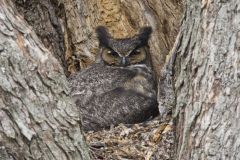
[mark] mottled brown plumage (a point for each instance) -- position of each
(120, 86)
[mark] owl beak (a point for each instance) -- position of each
(123, 62)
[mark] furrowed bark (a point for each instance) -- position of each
(38, 118)
(46, 17)
(207, 81)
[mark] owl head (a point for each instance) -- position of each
(125, 51)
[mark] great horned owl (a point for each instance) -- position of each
(119, 87)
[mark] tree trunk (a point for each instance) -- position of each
(47, 20)
(207, 82)
(38, 118)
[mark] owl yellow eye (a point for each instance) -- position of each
(135, 52)
(112, 53)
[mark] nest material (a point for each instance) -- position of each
(146, 141)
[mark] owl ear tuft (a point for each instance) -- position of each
(102, 35)
(144, 35)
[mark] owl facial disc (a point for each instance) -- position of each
(126, 51)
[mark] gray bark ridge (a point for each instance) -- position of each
(207, 84)
(38, 119)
